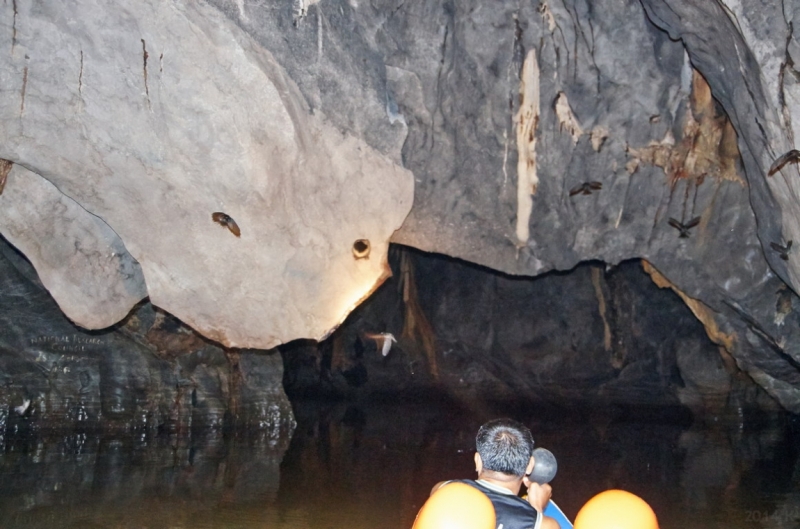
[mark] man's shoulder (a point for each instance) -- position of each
(497, 495)
(511, 511)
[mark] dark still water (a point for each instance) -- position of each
(371, 466)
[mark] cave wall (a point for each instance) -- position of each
(150, 374)
(535, 136)
(592, 336)
(622, 101)
(170, 125)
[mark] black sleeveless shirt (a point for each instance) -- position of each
(511, 511)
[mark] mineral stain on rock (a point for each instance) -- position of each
(308, 154)
(145, 56)
(527, 120)
(5, 168)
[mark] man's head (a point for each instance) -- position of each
(505, 446)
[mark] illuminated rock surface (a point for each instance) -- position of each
(153, 117)
(539, 136)
(80, 260)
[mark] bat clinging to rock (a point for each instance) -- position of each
(684, 228)
(225, 220)
(791, 156)
(782, 250)
(586, 188)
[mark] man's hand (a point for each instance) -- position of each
(549, 523)
(538, 495)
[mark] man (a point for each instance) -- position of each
(503, 461)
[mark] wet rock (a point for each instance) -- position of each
(592, 335)
(704, 374)
(539, 136)
(55, 375)
(261, 401)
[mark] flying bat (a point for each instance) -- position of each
(22, 408)
(383, 341)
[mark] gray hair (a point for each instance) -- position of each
(505, 445)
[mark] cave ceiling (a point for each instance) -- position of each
(246, 164)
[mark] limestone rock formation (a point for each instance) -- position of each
(151, 374)
(539, 135)
(603, 337)
(153, 117)
(661, 102)
(80, 260)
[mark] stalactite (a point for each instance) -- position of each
(616, 360)
(339, 355)
(416, 326)
(232, 390)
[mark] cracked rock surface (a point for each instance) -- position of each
(539, 135)
(80, 260)
(158, 119)
(149, 374)
(672, 107)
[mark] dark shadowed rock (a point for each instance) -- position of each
(540, 135)
(150, 374)
(588, 337)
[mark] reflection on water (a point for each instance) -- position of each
(371, 466)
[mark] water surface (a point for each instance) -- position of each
(372, 465)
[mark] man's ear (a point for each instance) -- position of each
(530, 466)
(478, 463)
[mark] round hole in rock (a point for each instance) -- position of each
(361, 249)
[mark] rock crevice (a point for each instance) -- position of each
(313, 125)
